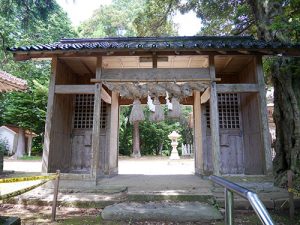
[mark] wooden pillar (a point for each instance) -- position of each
(214, 118)
(49, 117)
(265, 133)
(96, 145)
(113, 137)
(198, 150)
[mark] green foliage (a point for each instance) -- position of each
(24, 23)
(126, 18)
(3, 146)
(125, 132)
(153, 136)
(156, 18)
(112, 20)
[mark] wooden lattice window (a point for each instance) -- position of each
(103, 114)
(84, 111)
(229, 113)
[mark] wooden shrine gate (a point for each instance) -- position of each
(226, 89)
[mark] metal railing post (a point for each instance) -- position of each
(252, 197)
(228, 207)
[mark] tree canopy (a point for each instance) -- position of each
(125, 18)
(23, 23)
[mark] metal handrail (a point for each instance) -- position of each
(252, 197)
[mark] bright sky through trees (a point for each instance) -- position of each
(81, 10)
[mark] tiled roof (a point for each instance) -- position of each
(9, 82)
(159, 43)
(16, 130)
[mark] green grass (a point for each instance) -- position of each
(281, 218)
(90, 220)
(26, 157)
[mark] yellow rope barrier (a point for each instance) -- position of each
(22, 179)
(22, 191)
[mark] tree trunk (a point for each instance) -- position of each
(286, 81)
(136, 140)
(21, 144)
(29, 145)
(286, 118)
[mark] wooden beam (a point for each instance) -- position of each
(74, 89)
(237, 88)
(198, 148)
(154, 60)
(86, 67)
(21, 55)
(68, 67)
(265, 133)
(227, 63)
(205, 96)
(96, 144)
(214, 119)
(110, 53)
(244, 52)
(222, 52)
(82, 89)
(113, 145)
(49, 116)
(105, 96)
(155, 74)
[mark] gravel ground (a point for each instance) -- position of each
(146, 165)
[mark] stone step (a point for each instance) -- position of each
(162, 211)
(271, 196)
(104, 196)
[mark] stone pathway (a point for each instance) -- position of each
(162, 211)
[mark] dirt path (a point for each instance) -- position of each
(22, 165)
(127, 165)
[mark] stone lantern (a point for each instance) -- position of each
(174, 137)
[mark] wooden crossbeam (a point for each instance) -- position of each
(82, 89)
(74, 89)
(154, 74)
(105, 96)
(205, 96)
(234, 88)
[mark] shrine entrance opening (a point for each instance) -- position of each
(153, 147)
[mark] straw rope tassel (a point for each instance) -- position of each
(176, 108)
(159, 114)
(137, 113)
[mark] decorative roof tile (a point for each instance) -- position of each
(9, 82)
(187, 43)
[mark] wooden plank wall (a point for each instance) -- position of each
(253, 149)
(253, 153)
(60, 144)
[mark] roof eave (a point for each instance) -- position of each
(26, 55)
